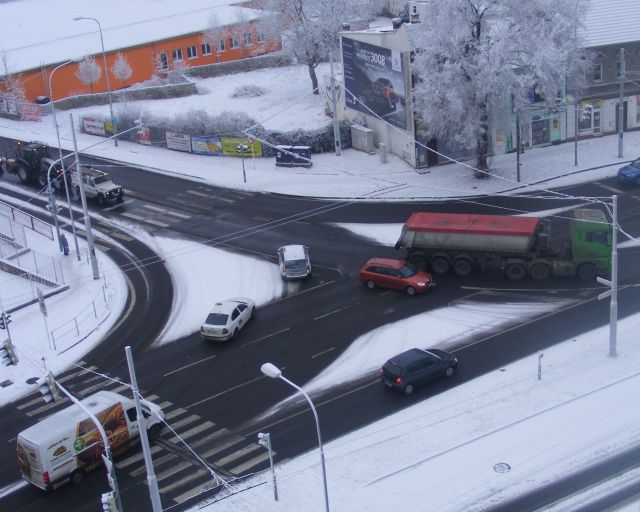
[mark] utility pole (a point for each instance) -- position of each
(518, 146)
(334, 101)
(87, 219)
(144, 439)
(621, 104)
(613, 284)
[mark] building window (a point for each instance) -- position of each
(164, 61)
(261, 37)
(220, 45)
(597, 73)
(192, 52)
(206, 49)
(234, 43)
(414, 9)
(248, 40)
(177, 55)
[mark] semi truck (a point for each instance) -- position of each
(67, 444)
(519, 245)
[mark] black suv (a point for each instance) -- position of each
(415, 367)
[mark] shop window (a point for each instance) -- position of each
(206, 49)
(220, 46)
(234, 44)
(192, 52)
(177, 55)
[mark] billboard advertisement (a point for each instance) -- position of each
(374, 81)
(93, 125)
(206, 146)
(178, 141)
(230, 146)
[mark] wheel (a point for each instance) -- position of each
(540, 271)
(370, 284)
(408, 389)
(24, 174)
(462, 267)
(587, 272)
(515, 272)
(120, 198)
(253, 310)
(410, 290)
(42, 180)
(440, 265)
(101, 200)
(419, 261)
(154, 431)
(450, 371)
(235, 333)
(76, 477)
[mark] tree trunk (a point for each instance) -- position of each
(482, 145)
(314, 78)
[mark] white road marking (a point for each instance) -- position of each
(188, 365)
(250, 463)
(265, 337)
(167, 211)
(609, 187)
(179, 483)
(237, 454)
(142, 219)
(234, 439)
(121, 236)
(322, 353)
(194, 491)
(225, 391)
(135, 458)
(191, 432)
(336, 311)
(196, 193)
(118, 205)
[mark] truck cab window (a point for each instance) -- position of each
(598, 237)
(131, 414)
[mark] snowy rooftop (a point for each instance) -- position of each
(612, 22)
(52, 36)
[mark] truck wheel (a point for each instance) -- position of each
(440, 266)
(154, 431)
(587, 272)
(462, 267)
(419, 261)
(24, 174)
(77, 477)
(540, 271)
(515, 272)
(42, 180)
(101, 200)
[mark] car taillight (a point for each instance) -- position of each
(398, 380)
(45, 479)
(225, 331)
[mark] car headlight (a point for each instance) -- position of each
(421, 284)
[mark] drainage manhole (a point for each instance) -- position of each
(502, 467)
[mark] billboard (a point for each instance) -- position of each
(93, 125)
(178, 141)
(206, 146)
(230, 146)
(374, 81)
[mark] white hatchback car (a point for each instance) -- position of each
(226, 318)
(294, 261)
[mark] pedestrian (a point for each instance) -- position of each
(65, 244)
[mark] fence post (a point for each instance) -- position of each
(95, 313)
(75, 321)
(104, 296)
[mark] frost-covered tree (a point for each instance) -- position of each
(310, 27)
(473, 55)
(9, 82)
(88, 71)
(121, 69)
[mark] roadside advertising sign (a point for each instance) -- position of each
(206, 146)
(144, 136)
(230, 144)
(93, 125)
(178, 141)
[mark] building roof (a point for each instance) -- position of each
(37, 32)
(611, 22)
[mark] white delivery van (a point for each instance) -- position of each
(65, 445)
(294, 261)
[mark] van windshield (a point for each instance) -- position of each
(216, 319)
(295, 263)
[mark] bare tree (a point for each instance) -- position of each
(10, 83)
(88, 71)
(121, 69)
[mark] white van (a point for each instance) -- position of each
(294, 261)
(65, 445)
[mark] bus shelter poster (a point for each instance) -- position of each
(374, 79)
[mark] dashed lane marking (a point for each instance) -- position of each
(196, 193)
(336, 311)
(188, 366)
(143, 219)
(226, 391)
(167, 211)
(323, 352)
(265, 337)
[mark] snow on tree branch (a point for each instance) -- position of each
(121, 69)
(88, 71)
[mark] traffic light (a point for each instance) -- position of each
(47, 386)
(7, 353)
(5, 320)
(108, 500)
(264, 440)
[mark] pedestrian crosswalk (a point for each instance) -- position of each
(192, 453)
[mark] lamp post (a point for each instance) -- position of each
(106, 74)
(242, 149)
(64, 171)
(271, 370)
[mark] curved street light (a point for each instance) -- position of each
(271, 370)
(106, 74)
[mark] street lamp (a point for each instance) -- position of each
(242, 149)
(64, 171)
(106, 74)
(271, 370)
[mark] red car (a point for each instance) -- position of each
(397, 274)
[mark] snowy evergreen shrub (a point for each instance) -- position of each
(249, 91)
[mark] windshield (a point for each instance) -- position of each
(295, 264)
(100, 179)
(636, 163)
(408, 270)
(216, 319)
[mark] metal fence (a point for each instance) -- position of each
(23, 218)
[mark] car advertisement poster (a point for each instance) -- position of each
(374, 81)
(237, 146)
(206, 146)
